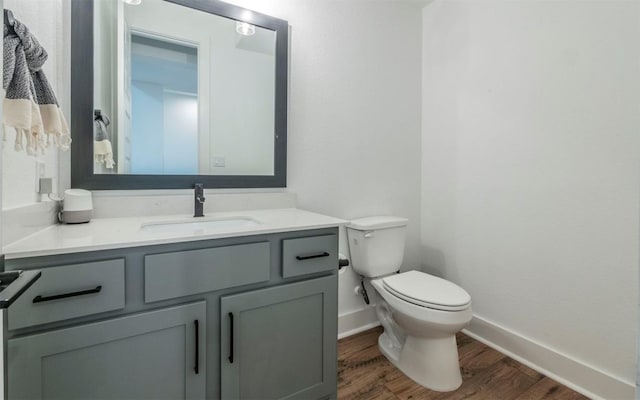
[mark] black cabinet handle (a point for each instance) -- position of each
(231, 338)
(40, 299)
(196, 367)
(310, 256)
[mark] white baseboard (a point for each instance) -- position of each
(577, 375)
(357, 321)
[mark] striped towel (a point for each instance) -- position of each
(102, 149)
(30, 106)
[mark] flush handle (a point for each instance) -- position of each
(368, 234)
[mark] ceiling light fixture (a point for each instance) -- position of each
(244, 28)
(133, 2)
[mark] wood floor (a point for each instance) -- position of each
(365, 374)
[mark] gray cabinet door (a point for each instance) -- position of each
(280, 342)
(152, 355)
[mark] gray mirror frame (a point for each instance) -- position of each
(82, 163)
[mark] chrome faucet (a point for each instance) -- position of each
(198, 200)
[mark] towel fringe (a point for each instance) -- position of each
(35, 143)
(18, 146)
(105, 159)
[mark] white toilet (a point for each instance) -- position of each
(420, 313)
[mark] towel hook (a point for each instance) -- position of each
(9, 20)
(99, 115)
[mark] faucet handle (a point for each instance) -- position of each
(199, 199)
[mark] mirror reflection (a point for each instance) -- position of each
(178, 91)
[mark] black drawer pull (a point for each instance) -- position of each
(40, 299)
(196, 367)
(311, 256)
(231, 337)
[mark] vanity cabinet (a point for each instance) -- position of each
(164, 309)
(152, 355)
(279, 342)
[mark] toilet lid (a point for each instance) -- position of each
(427, 291)
(371, 223)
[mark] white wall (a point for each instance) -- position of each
(235, 80)
(243, 101)
(104, 53)
(44, 19)
(530, 169)
(354, 114)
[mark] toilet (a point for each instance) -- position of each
(420, 313)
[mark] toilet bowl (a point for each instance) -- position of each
(420, 313)
(428, 352)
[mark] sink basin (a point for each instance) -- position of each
(198, 225)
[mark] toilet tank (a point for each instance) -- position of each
(376, 245)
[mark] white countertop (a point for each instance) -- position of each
(113, 233)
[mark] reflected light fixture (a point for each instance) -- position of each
(133, 2)
(245, 28)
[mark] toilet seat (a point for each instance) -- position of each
(427, 291)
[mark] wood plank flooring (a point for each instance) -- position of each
(365, 374)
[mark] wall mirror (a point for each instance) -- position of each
(167, 93)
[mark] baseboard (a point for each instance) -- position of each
(577, 375)
(357, 321)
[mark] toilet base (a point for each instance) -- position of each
(430, 362)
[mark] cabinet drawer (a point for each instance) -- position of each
(70, 291)
(309, 255)
(183, 273)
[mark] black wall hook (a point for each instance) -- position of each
(99, 115)
(9, 20)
